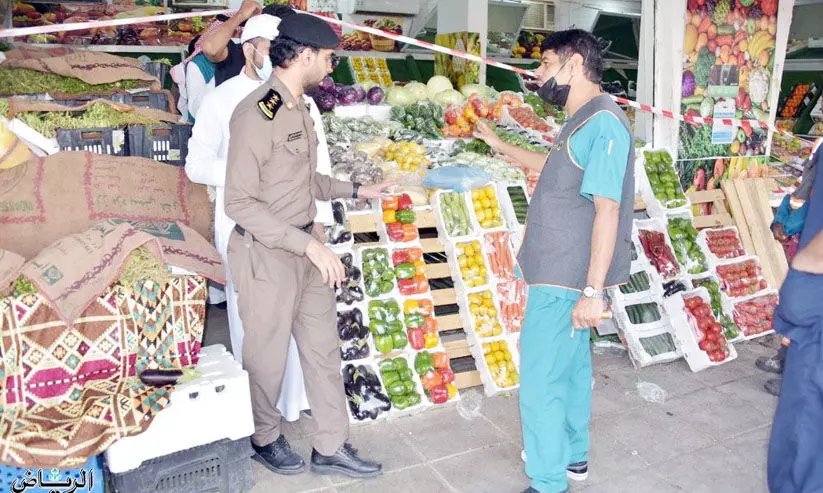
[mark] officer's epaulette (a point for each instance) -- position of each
(270, 103)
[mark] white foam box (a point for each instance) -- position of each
(442, 231)
(490, 386)
(505, 201)
(638, 354)
(686, 332)
(703, 241)
(211, 407)
(654, 207)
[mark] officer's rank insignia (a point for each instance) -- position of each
(270, 103)
(558, 145)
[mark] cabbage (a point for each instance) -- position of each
(438, 84)
(360, 94)
(376, 95)
(347, 96)
(469, 89)
(399, 96)
(325, 101)
(449, 96)
(327, 84)
(688, 84)
(418, 91)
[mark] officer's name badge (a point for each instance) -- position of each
(295, 136)
(270, 103)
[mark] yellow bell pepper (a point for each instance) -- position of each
(452, 391)
(411, 306)
(389, 216)
(420, 268)
(430, 340)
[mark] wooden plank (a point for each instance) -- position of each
(425, 218)
(449, 322)
(444, 297)
(457, 349)
(706, 196)
(639, 205)
(439, 271)
(432, 245)
(467, 379)
(754, 197)
(739, 216)
(713, 221)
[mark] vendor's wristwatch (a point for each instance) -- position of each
(590, 292)
(355, 190)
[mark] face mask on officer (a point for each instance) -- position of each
(554, 93)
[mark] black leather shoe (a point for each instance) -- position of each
(346, 462)
(279, 458)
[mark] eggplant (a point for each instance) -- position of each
(356, 294)
(344, 237)
(160, 378)
(357, 316)
(348, 374)
(338, 212)
(347, 259)
(384, 399)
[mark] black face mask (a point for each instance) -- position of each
(554, 93)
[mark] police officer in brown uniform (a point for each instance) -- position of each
(284, 274)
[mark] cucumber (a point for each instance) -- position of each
(691, 100)
(658, 344)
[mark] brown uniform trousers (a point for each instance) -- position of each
(271, 184)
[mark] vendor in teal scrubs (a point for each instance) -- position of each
(576, 244)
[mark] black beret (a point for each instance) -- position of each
(279, 11)
(308, 30)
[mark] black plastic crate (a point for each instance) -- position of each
(165, 143)
(158, 100)
(157, 69)
(223, 466)
(110, 141)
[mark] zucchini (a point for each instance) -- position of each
(658, 344)
(519, 203)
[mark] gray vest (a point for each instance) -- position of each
(558, 235)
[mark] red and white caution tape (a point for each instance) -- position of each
(748, 125)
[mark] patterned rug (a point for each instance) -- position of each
(67, 393)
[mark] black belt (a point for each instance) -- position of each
(307, 228)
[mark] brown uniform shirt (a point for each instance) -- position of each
(272, 179)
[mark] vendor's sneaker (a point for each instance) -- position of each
(279, 458)
(345, 461)
(770, 364)
(578, 471)
(774, 386)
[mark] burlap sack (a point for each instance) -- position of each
(23, 105)
(22, 52)
(45, 199)
(91, 67)
(76, 269)
(10, 265)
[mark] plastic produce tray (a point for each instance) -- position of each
(639, 355)
(489, 385)
(165, 143)
(223, 466)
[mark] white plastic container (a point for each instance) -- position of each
(745, 328)
(369, 339)
(624, 320)
(725, 301)
(424, 402)
(638, 354)
(703, 240)
(356, 264)
(654, 207)
(371, 365)
(220, 395)
(659, 226)
(688, 263)
(686, 332)
(490, 246)
(475, 219)
(727, 288)
(394, 293)
(442, 231)
(383, 234)
(504, 199)
(348, 245)
(654, 292)
(454, 265)
(490, 387)
(470, 325)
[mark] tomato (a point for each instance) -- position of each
(704, 324)
(703, 345)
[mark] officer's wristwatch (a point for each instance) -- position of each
(590, 292)
(355, 190)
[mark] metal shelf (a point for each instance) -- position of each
(800, 65)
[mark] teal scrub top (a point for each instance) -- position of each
(601, 146)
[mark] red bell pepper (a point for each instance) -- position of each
(431, 324)
(391, 203)
(407, 287)
(439, 394)
(431, 380)
(395, 231)
(404, 202)
(409, 232)
(399, 257)
(446, 374)
(440, 360)
(416, 339)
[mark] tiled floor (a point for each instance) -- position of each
(710, 435)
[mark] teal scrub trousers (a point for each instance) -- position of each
(555, 390)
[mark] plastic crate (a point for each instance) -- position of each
(157, 69)
(165, 143)
(223, 466)
(95, 481)
(158, 100)
(110, 141)
(219, 395)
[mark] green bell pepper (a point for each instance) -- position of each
(396, 389)
(415, 320)
(405, 216)
(400, 364)
(414, 399)
(384, 343)
(404, 271)
(405, 374)
(390, 377)
(400, 339)
(400, 402)
(410, 386)
(378, 327)
(386, 365)
(423, 362)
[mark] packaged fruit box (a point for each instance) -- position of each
(644, 283)
(742, 277)
(410, 271)
(639, 314)
(497, 245)
(467, 260)
(511, 295)
(396, 221)
(721, 306)
(353, 331)
(452, 214)
(657, 247)
(755, 314)
(514, 201)
(421, 324)
(365, 394)
(351, 290)
(482, 311)
(386, 323)
(496, 363)
(402, 385)
(659, 184)
(486, 207)
(651, 345)
(378, 272)
(699, 334)
(721, 243)
(683, 237)
(436, 376)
